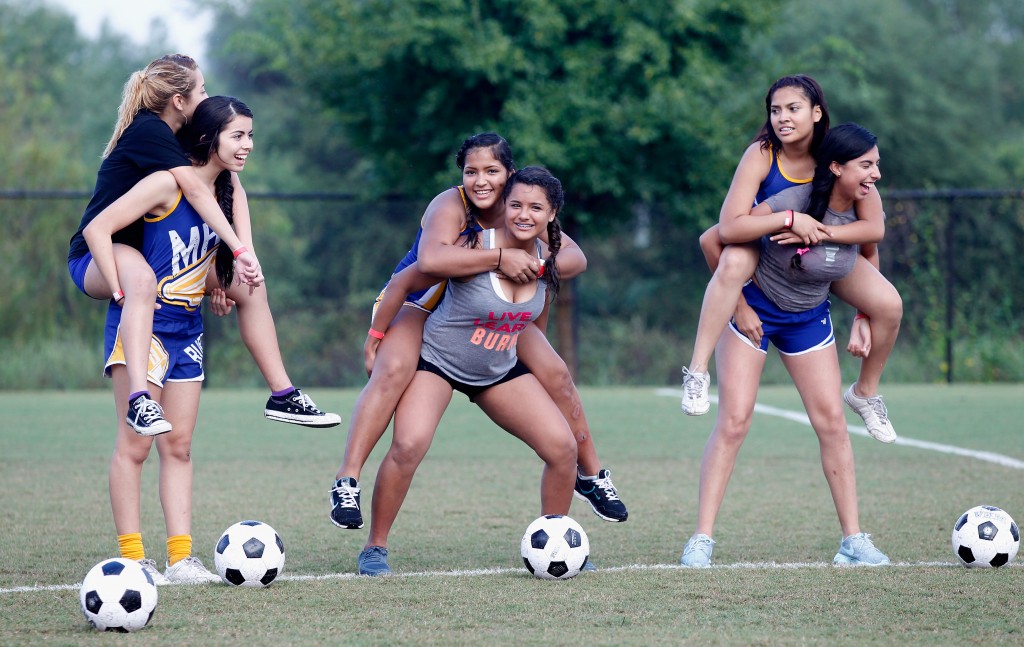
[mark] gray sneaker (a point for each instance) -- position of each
(696, 401)
(857, 550)
(697, 553)
(874, 413)
(374, 562)
(149, 566)
(190, 571)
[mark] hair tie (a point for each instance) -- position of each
(802, 251)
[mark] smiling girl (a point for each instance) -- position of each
(179, 249)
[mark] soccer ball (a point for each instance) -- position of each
(118, 595)
(985, 537)
(554, 547)
(249, 553)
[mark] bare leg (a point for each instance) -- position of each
(139, 285)
(181, 402)
(258, 332)
(130, 452)
(393, 370)
(416, 420)
(536, 353)
(866, 289)
(816, 376)
(739, 373)
(736, 265)
(539, 426)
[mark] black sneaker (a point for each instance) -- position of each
(345, 512)
(297, 408)
(599, 492)
(146, 417)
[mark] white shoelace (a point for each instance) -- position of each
(878, 407)
(346, 495)
(304, 402)
(609, 490)
(694, 383)
(149, 411)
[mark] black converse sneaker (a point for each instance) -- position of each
(146, 417)
(345, 512)
(297, 408)
(599, 492)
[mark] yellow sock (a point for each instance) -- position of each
(178, 548)
(131, 546)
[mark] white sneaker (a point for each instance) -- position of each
(149, 566)
(874, 413)
(190, 571)
(695, 393)
(697, 553)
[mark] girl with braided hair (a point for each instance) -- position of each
(179, 250)
(470, 345)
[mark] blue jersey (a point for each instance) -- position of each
(776, 180)
(180, 248)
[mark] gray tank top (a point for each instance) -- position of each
(795, 289)
(473, 333)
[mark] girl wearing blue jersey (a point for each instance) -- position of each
(470, 344)
(486, 164)
(158, 101)
(783, 155)
(789, 295)
(180, 250)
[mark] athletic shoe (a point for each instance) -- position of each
(874, 413)
(857, 550)
(695, 393)
(146, 416)
(600, 493)
(588, 567)
(149, 566)
(345, 512)
(697, 553)
(190, 571)
(374, 562)
(299, 409)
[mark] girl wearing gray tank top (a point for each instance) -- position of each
(469, 345)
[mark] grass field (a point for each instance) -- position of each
(455, 549)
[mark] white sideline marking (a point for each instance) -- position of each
(797, 416)
(482, 572)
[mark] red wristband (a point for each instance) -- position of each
(238, 252)
(118, 295)
(860, 316)
(376, 334)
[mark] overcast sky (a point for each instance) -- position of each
(186, 26)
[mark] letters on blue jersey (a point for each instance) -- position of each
(180, 248)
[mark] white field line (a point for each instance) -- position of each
(484, 572)
(795, 416)
(801, 417)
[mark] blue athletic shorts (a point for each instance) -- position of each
(426, 300)
(175, 352)
(793, 333)
(77, 268)
(472, 390)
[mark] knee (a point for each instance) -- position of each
(141, 283)
(176, 450)
(710, 242)
(736, 264)
(731, 430)
(887, 309)
(406, 455)
(563, 454)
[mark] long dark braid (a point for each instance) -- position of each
(551, 274)
(225, 262)
(199, 139)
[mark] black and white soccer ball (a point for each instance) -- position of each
(249, 553)
(555, 547)
(118, 595)
(985, 537)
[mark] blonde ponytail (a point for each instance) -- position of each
(152, 89)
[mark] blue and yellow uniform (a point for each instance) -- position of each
(776, 180)
(180, 248)
(427, 299)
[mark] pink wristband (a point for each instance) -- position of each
(860, 316)
(238, 252)
(118, 295)
(376, 334)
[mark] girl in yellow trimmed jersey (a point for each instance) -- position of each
(180, 248)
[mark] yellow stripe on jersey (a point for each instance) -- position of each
(151, 218)
(187, 287)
